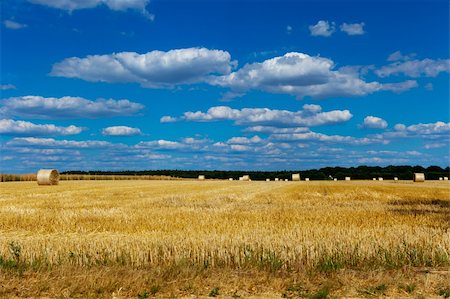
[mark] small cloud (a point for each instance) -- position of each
(373, 122)
(322, 28)
(121, 131)
(429, 86)
(353, 29)
(397, 55)
(289, 29)
(7, 86)
(168, 119)
(25, 128)
(434, 145)
(13, 25)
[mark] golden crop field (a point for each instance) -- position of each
(225, 238)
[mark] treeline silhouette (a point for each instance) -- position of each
(357, 173)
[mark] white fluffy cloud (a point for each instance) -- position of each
(429, 130)
(53, 143)
(353, 29)
(311, 115)
(25, 128)
(297, 74)
(397, 55)
(415, 68)
(10, 24)
(119, 5)
(320, 137)
(66, 107)
(121, 131)
(7, 87)
(153, 69)
(373, 122)
(322, 28)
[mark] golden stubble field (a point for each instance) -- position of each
(222, 238)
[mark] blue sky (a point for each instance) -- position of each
(257, 85)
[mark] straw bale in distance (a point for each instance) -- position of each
(396, 179)
(246, 177)
(419, 177)
(47, 177)
(380, 178)
(347, 178)
(446, 178)
(296, 176)
(306, 179)
(201, 177)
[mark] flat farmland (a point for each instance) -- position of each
(225, 238)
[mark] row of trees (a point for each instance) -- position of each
(360, 172)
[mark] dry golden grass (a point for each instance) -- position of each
(245, 238)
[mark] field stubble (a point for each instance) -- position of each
(185, 237)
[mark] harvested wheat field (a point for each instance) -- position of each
(225, 238)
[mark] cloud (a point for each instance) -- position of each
(168, 119)
(311, 115)
(415, 68)
(53, 143)
(319, 137)
(397, 55)
(155, 69)
(429, 130)
(7, 87)
(373, 122)
(289, 29)
(322, 28)
(297, 74)
(353, 29)
(121, 131)
(10, 24)
(66, 107)
(244, 140)
(400, 86)
(434, 145)
(118, 5)
(161, 144)
(25, 128)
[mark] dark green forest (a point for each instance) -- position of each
(356, 173)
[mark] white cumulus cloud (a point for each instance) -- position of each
(373, 122)
(311, 115)
(7, 87)
(53, 143)
(353, 29)
(10, 24)
(66, 107)
(415, 68)
(25, 128)
(297, 74)
(118, 5)
(121, 131)
(155, 69)
(322, 28)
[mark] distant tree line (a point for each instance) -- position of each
(357, 173)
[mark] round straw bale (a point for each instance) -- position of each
(201, 177)
(380, 178)
(396, 179)
(419, 177)
(47, 177)
(446, 178)
(246, 177)
(296, 176)
(306, 179)
(347, 178)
